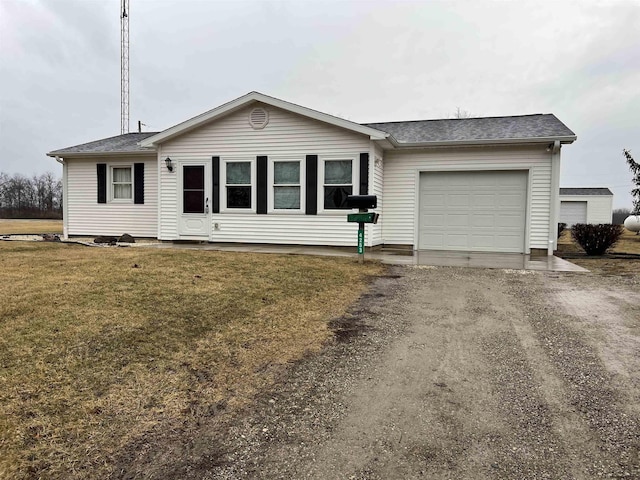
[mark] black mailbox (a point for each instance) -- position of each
(362, 201)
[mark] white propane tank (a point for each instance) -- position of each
(632, 222)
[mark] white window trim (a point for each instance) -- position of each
(223, 184)
(355, 179)
(111, 198)
(271, 196)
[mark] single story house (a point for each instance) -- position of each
(585, 205)
(262, 170)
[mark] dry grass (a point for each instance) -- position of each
(98, 346)
(17, 226)
(628, 243)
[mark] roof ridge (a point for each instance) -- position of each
(456, 119)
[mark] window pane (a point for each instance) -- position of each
(238, 197)
(286, 173)
(193, 201)
(286, 197)
(239, 173)
(122, 190)
(122, 175)
(336, 197)
(193, 177)
(337, 172)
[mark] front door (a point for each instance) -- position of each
(194, 179)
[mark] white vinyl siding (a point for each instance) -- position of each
(286, 136)
(402, 173)
(599, 208)
(87, 217)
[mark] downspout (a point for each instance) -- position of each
(65, 202)
(555, 197)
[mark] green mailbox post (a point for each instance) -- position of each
(363, 203)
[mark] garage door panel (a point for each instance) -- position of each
(484, 200)
(457, 220)
(475, 211)
(482, 241)
(505, 221)
(434, 199)
(508, 242)
(433, 219)
(483, 220)
(461, 200)
(457, 241)
(433, 241)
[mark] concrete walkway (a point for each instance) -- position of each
(514, 261)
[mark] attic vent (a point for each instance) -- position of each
(258, 118)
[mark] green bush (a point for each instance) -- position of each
(561, 228)
(596, 239)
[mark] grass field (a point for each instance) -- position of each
(99, 346)
(19, 226)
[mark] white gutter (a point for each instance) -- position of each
(555, 198)
(65, 197)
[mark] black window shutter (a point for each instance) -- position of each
(138, 186)
(102, 182)
(364, 174)
(215, 201)
(312, 185)
(261, 190)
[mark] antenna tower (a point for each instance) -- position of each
(124, 66)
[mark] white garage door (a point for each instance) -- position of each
(473, 211)
(573, 212)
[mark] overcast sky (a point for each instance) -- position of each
(366, 61)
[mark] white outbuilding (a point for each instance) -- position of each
(585, 205)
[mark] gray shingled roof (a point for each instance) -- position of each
(585, 191)
(419, 131)
(127, 143)
(470, 129)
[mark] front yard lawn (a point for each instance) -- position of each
(100, 345)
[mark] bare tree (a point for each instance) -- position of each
(37, 197)
(459, 113)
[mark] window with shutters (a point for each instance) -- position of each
(239, 178)
(338, 178)
(121, 183)
(286, 186)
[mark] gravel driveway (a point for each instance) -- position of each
(446, 373)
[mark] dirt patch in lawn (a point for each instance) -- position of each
(9, 226)
(101, 349)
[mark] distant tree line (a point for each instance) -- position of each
(619, 214)
(39, 196)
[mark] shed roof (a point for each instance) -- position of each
(585, 191)
(127, 143)
(473, 129)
